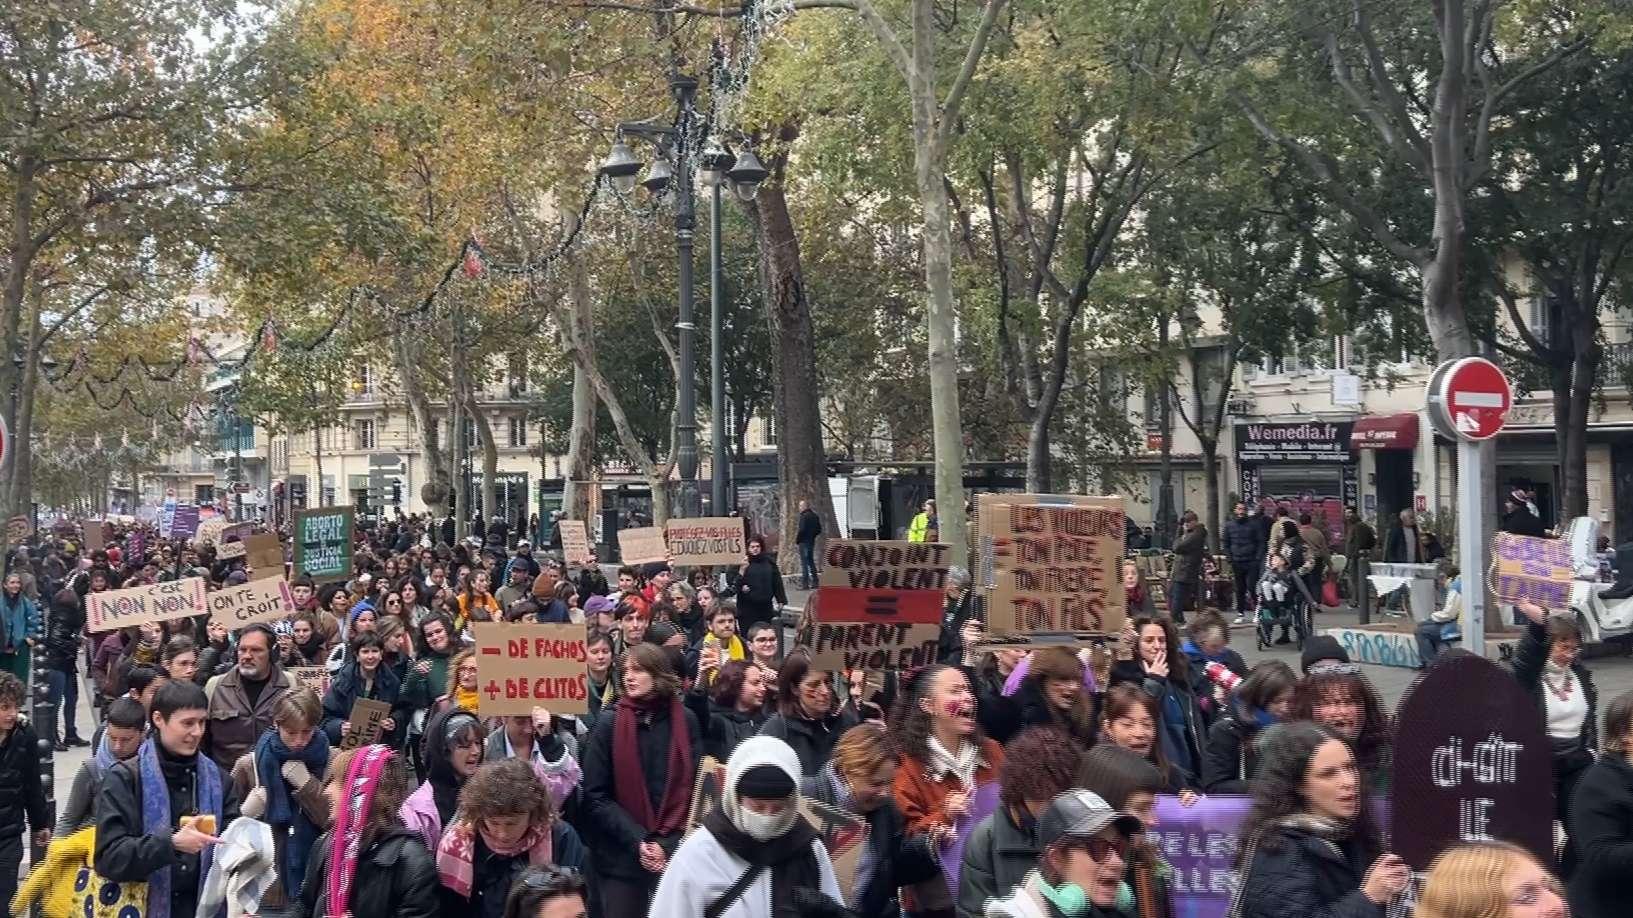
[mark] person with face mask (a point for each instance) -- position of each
(754, 856)
(1084, 843)
(507, 822)
(453, 751)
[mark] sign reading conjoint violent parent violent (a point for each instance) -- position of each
(878, 605)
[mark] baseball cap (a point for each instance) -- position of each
(1078, 813)
(598, 604)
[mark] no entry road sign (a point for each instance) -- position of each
(1469, 398)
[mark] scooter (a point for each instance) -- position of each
(1600, 618)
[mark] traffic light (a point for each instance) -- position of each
(396, 493)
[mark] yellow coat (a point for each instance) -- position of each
(51, 882)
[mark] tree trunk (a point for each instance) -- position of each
(580, 312)
(1210, 471)
(1037, 449)
(802, 461)
(490, 460)
(1573, 399)
(408, 372)
(22, 430)
(1165, 429)
(945, 419)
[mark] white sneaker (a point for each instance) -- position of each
(1240, 620)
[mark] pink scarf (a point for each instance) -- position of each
(457, 853)
(346, 841)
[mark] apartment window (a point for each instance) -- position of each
(516, 377)
(470, 434)
(363, 383)
(363, 434)
(518, 432)
(770, 429)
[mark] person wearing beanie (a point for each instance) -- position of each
(755, 857)
(1321, 647)
(1085, 844)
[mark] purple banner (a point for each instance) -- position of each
(137, 545)
(982, 805)
(1200, 842)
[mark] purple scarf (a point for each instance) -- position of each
(158, 820)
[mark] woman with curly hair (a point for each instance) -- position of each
(1490, 880)
(1040, 763)
(369, 865)
(1162, 670)
(1310, 848)
(506, 824)
(1338, 696)
(945, 763)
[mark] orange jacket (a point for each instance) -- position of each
(922, 799)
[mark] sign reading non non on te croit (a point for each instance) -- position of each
(523, 665)
(323, 542)
(264, 600)
(164, 601)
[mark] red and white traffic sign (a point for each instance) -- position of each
(1469, 398)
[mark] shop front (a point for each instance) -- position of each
(1308, 467)
(1390, 439)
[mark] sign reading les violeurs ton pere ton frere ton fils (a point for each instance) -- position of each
(1055, 563)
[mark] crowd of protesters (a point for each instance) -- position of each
(205, 738)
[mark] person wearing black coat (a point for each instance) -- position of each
(352, 683)
(1244, 542)
(760, 590)
(811, 734)
(1264, 698)
(958, 605)
(1183, 726)
(619, 841)
(63, 624)
(395, 875)
(733, 708)
(21, 792)
(1310, 848)
(1599, 860)
(1548, 665)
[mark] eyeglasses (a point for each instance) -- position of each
(1099, 846)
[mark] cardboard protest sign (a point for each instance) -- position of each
(1526, 567)
(209, 531)
(265, 555)
(323, 542)
(707, 790)
(520, 666)
(315, 678)
(885, 565)
(264, 600)
(18, 528)
(159, 602)
(878, 605)
(1056, 565)
(642, 545)
(706, 540)
(93, 536)
(137, 545)
(843, 833)
(230, 543)
(1471, 763)
(363, 725)
(575, 541)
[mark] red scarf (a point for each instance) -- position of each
(629, 778)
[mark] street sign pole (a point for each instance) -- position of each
(1471, 551)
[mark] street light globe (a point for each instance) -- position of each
(621, 167)
(658, 176)
(713, 163)
(747, 174)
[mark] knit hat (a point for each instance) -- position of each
(237, 578)
(1321, 647)
(356, 610)
(765, 782)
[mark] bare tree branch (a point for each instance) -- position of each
(966, 73)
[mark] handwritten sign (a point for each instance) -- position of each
(878, 605)
(264, 600)
(159, 602)
(323, 542)
(1526, 567)
(885, 565)
(1471, 763)
(1056, 566)
(575, 541)
(520, 666)
(707, 790)
(264, 554)
(231, 545)
(94, 535)
(209, 531)
(315, 678)
(642, 545)
(706, 540)
(18, 528)
(363, 725)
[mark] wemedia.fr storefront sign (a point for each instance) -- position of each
(1315, 441)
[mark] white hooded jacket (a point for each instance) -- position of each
(702, 870)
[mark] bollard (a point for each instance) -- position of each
(42, 712)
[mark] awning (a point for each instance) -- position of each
(1387, 431)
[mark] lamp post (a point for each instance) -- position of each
(621, 167)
